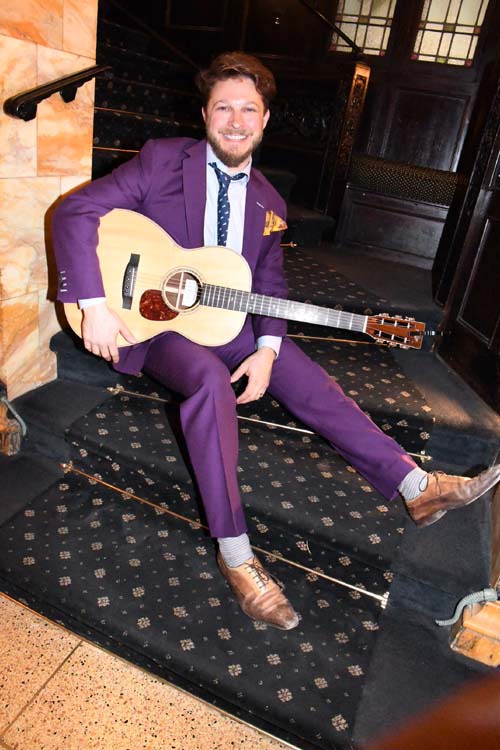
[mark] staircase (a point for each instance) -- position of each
(96, 547)
(146, 97)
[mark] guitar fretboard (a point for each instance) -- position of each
(274, 307)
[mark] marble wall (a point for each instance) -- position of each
(40, 40)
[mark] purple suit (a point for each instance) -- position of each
(167, 183)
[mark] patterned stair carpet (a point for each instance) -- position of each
(115, 549)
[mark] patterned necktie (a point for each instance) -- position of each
(223, 202)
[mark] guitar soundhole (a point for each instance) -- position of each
(152, 306)
(181, 290)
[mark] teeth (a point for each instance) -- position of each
(235, 137)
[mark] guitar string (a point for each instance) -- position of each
(217, 296)
(245, 301)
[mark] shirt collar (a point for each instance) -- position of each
(212, 157)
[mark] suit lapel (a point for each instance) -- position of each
(255, 218)
(194, 178)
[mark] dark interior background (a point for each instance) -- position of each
(398, 156)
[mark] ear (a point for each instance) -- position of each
(204, 113)
(266, 118)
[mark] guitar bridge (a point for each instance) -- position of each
(129, 279)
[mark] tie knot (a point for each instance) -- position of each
(224, 178)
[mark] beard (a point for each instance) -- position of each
(232, 159)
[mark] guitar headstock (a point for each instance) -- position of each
(396, 331)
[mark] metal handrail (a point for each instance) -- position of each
(24, 105)
(354, 47)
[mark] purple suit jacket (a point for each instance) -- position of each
(166, 182)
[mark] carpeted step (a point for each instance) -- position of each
(308, 228)
(49, 410)
(307, 483)
(116, 34)
(281, 179)
(128, 130)
(143, 97)
(148, 588)
(24, 476)
(466, 434)
(76, 365)
(140, 66)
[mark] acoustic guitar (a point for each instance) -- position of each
(155, 285)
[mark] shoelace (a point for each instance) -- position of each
(260, 576)
(436, 476)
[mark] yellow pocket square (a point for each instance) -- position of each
(274, 223)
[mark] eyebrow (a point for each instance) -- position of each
(227, 101)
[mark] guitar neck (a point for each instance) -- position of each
(274, 307)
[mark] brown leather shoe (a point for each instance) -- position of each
(445, 492)
(258, 595)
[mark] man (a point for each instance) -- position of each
(207, 193)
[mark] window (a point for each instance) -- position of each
(366, 22)
(449, 30)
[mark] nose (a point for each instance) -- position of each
(236, 119)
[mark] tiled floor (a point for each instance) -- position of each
(58, 692)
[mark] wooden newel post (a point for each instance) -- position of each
(477, 634)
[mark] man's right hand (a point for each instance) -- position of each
(100, 328)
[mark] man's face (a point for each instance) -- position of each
(235, 120)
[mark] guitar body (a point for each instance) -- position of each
(126, 234)
(154, 286)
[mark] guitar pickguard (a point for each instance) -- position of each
(152, 306)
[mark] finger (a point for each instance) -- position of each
(244, 399)
(114, 354)
(238, 373)
(248, 395)
(127, 334)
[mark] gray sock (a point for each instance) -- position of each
(235, 549)
(413, 484)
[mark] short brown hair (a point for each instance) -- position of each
(236, 65)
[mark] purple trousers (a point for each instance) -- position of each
(209, 420)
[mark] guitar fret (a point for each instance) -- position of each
(259, 304)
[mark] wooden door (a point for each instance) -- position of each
(471, 339)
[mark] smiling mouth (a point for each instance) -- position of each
(235, 136)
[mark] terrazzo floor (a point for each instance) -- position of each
(59, 692)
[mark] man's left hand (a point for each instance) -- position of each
(257, 367)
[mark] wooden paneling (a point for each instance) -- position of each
(404, 230)
(417, 118)
(480, 309)
(275, 29)
(436, 143)
(472, 324)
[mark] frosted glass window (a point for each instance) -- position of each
(448, 31)
(366, 22)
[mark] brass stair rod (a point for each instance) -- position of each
(119, 389)
(381, 598)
